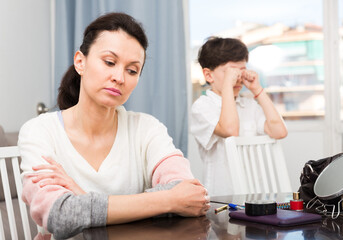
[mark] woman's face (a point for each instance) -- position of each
(111, 70)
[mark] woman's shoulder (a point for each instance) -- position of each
(40, 122)
(137, 118)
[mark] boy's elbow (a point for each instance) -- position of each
(235, 132)
(276, 129)
(231, 132)
(281, 134)
(227, 131)
(284, 134)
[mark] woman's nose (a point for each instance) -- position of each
(118, 75)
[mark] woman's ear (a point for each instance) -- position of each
(207, 74)
(79, 62)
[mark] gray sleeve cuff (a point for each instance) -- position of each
(70, 214)
(161, 187)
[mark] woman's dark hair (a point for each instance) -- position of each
(69, 90)
(217, 51)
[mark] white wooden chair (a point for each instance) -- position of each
(12, 154)
(257, 165)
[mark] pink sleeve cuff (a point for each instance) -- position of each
(40, 199)
(171, 168)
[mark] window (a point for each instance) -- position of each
(285, 45)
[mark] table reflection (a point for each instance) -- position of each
(216, 226)
(173, 228)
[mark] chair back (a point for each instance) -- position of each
(12, 154)
(257, 165)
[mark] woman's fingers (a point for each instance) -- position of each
(53, 174)
(207, 207)
(43, 175)
(45, 166)
(53, 165)
(50, 181)
(195, 182)
(52, 178)
(197, 198)
(49, 160)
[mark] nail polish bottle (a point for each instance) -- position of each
(297, 204)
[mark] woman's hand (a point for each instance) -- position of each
(190, 199)
(57, 176)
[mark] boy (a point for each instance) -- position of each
(222, 113)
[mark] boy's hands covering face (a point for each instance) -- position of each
(251, 81)
(231, 76)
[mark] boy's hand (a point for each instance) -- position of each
(251, 81)
(231, 76)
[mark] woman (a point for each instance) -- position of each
(93, 161)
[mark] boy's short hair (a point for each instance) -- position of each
(217, 51)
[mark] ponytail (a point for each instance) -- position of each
(69, 90)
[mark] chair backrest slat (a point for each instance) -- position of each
(239, 178)
(270, 168)
(8, 199)
(22, 206)
(2, 231)
(243, 155)
(254, 168)
(12, 154)
(260, 160)
(262, 168)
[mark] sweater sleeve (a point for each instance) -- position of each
(61, 212)
(171, 168)
(71, 214)
(40, 199)
(35, 140)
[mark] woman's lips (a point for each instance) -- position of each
(113, 91)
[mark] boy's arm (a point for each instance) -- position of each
(274, 125)
(228, 124)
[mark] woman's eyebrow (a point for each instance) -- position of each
(109, 51)
(114, 54)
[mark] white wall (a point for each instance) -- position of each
(298, 148)
(24, 60)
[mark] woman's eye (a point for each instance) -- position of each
(132, 72)
(109, 63)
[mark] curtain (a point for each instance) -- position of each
(162, 88)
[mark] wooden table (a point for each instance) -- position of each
(217, 226)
